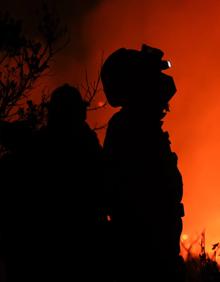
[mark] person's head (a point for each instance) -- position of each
(131, 76)
(66, 107)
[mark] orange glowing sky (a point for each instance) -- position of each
(189, 33)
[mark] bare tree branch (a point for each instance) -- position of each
(25, 60)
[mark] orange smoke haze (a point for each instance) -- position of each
(189, 34)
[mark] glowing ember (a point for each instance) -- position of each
(184, 237)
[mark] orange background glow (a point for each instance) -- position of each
(189, 33)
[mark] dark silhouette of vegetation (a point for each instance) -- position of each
(23, 60)
(201, 266)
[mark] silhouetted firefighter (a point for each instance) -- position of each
(144, 183)
(50, 222)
